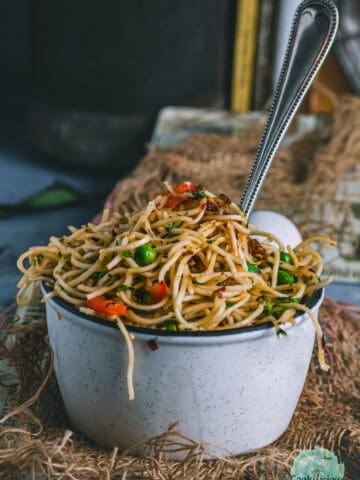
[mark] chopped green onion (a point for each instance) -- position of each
(287, 300)
(123, 288)
(229, 304)
(169, 227)
(269, 307)
(126, 253)
(277, 306)
(253, 268)
(98, 275)
(202, 195)
(143, 297)
(281, 308)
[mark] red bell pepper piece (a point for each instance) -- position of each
(158, 292)
(104, 305)
(173, 201)
(185, 187)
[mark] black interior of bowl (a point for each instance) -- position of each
(309, 302)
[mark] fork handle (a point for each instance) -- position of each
(312, 34)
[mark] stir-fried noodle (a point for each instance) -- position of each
(188, 261)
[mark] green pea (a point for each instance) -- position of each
(145, 254)
(285, 278)
(286, 257)
(252, 268)
(170, 325)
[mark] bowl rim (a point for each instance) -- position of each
(312, 303)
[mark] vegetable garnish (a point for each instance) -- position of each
(109, 307)
(201, 195)
(252, 267)
(185, 187)
(145, 255)
(142, 296)
(124, 288)
(158, 292)
(277, 306)
(229, 304)
(98, 276)
(171, 325)
(285, 278)
(174, 201)
(286, 257)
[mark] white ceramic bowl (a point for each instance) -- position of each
(237, 388)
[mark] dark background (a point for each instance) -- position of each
(81, 84)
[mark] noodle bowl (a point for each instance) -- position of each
(186, 266)
(236, 388)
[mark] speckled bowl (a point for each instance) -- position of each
(236, 388)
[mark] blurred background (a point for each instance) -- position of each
(82, 83)
(85, 82)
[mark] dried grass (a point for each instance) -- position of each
(36, 437)
(303, 179)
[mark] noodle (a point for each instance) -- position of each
(202, 268)
(131, 358)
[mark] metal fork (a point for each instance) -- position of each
(312, 34)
